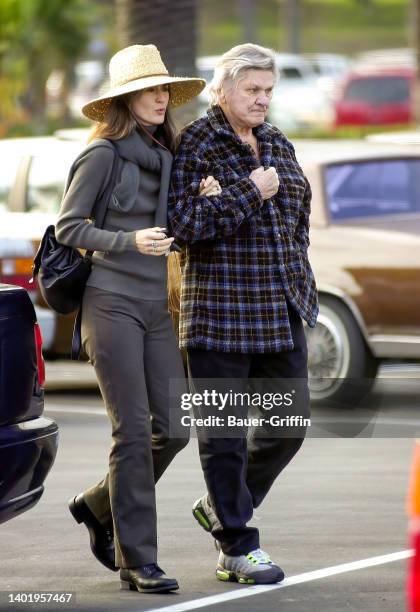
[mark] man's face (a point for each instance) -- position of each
(247, 101)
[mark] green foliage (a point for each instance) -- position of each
(342, 26)
(37, 36)
(352, 132)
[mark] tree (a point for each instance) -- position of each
(246, 11)
(293, 26)
(169, 25)
(35, 37)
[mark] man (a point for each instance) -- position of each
(246, 285)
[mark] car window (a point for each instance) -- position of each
(374, 188)
(47, 176)
(290, 72)
(8, 170)
(378, 90)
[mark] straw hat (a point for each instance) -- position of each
(138, 67)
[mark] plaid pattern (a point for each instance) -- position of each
(242, 256)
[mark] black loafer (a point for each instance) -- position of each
(147, 579)
(101, 537)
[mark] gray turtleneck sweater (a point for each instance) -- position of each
(139, 201)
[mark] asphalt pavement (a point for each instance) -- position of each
(339, 505)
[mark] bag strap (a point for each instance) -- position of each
(76, 339)
(101, 205)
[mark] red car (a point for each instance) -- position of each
(376, 96)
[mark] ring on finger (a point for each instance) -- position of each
(154, 244)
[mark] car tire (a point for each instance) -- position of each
(342, 369)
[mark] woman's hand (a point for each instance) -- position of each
(153, 241)
(209, 187)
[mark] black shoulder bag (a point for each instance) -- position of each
(62, 271)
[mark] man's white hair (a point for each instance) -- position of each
(231, 66)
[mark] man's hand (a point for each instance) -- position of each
(209, 187)
(267, 181)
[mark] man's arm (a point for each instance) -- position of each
(302, 228)
(194, 217)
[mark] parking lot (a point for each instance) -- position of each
(341, 501)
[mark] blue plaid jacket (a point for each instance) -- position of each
(242, 256)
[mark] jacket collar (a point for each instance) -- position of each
(220, 124)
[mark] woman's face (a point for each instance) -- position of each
(149, 105)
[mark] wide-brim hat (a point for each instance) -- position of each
(138, 67)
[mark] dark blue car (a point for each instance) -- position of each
(28, 440)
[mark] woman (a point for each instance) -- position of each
(126, 328)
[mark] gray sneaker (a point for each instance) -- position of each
(204, 513)
(254, 568)
(205, 516)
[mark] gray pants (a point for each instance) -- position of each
(133, 348)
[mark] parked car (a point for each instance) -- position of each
(406, 137)
(375, 95)
(17, 251)
(332, 65)
(330, 68)
(365, 252)
(301, 108)
(303, 96)
(294, 68)
(32, 177)
(28, 440)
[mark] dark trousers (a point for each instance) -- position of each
(133, 348)
(239, 472)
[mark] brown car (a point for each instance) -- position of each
(365, 252)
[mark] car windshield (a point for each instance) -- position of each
(374, 188)
(46, 181)
(378, 90)
(290, 72)
(8, 169)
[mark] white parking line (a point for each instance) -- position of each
(250, 591)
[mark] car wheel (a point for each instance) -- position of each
(341, 367)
